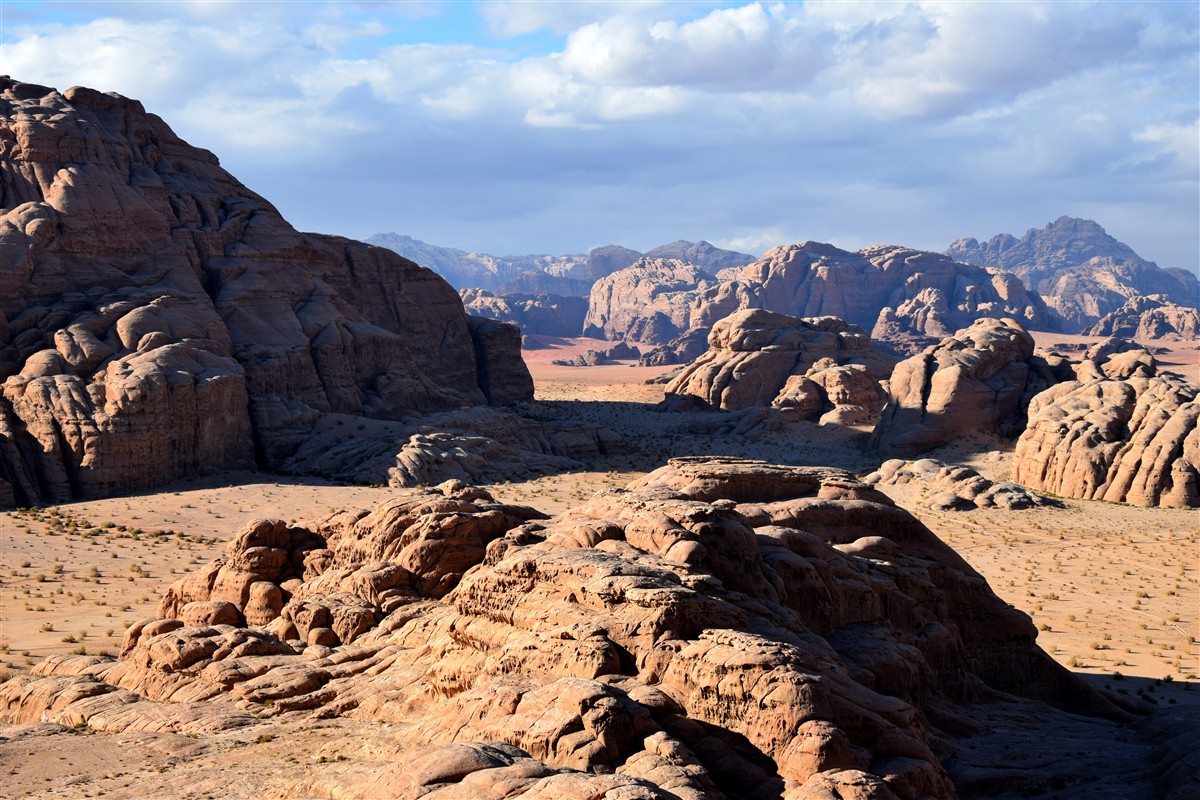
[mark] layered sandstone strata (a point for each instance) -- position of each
(159, 319)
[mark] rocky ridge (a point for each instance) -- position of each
(906, 298)
(1081, 271)
(722, 628)
(158, 319)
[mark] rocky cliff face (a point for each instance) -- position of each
(1119, 432)
(158, 319)
(906, 298)
(538, 313)
(721, 628)
(649, 301)
(820, 367)
(981, 379)
(1081, 271)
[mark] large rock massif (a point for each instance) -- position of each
(821, 367)
(980, 380)
(538, 313)
(158, 319)
(1118, 432)
(906, 298)
(1081, 271)
(720, 629)
(649, 301)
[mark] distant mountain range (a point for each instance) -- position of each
(571, 275)
(1082, 274)
(1081, 271)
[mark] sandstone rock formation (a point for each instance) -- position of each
(1151, 317)
(978, 381)
(951, 487)
(820, 367)
(1081, 271)
(1119, 432)
(907, 298)
(707, 257)
(683, 349)
(158, 319)
(540, 313)
(477, 445)
(722, 628)
(648, 301)
(592, 358)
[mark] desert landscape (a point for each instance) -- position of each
(305, 516)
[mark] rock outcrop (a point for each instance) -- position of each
(683, 349)
(593, 358)
(952, 487)
(159, 319)
(907, 298)
(1152, 317)
(477, 445)
(1081, 271)
(820, 367)
(539, 313)
(980, 380)
(648, 301)
(722, 628)
(1119, 432)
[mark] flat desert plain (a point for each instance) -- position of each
(1114, 589)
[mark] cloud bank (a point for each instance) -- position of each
(553, 127)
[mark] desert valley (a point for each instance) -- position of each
(289, 515)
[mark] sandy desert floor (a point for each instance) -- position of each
(1113, 589)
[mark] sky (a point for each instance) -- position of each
(545, 127)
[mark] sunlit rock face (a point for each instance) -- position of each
(159, 319)
(720, 628)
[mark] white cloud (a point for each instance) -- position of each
(846, 121)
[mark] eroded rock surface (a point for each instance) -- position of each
(1152, 317)
(981, 379)
(820, 367)
(1119, 432)
(648, 301)
(906, 298)
(953, 487)
(536, 313)
(158, 319)
(721, 628)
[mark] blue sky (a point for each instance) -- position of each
(518, 127)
